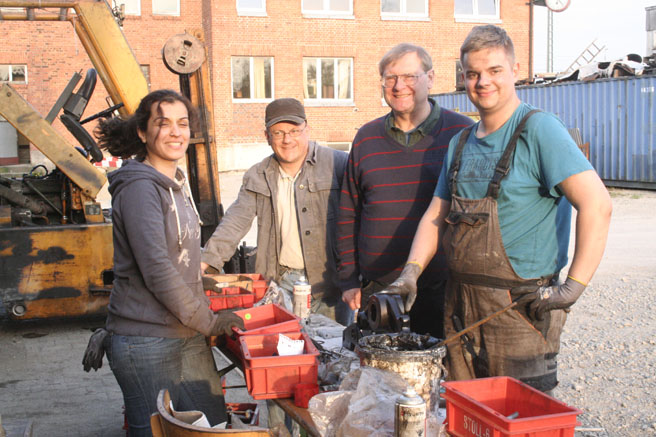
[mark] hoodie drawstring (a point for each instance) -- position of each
(191, 200)
(177, 219)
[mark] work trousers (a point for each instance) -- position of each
(184, 366)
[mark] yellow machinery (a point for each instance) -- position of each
(55, 241)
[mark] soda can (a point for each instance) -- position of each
(302, 297)
(410, 415)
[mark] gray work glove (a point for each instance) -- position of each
(209, 283)
(406, 285)
(224, 322)
(554, 297)
(95, 351)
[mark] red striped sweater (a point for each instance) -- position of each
(386, 190)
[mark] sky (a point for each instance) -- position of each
(619, 25)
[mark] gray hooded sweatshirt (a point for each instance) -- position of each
(157, 285)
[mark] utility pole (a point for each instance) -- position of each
(550, 41)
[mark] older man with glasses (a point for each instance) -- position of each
(393, 168)
(294, 193)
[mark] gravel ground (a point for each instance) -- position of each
(607, 361)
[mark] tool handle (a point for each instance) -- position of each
(476, 325)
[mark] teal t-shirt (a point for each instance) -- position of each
(534, 230)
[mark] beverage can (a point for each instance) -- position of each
(302, 297)
(410, 415)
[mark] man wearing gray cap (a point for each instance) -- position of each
(294, 193)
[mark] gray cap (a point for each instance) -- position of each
(286, 109)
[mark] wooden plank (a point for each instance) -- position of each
(299, 415)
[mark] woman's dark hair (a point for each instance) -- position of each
(120, 138)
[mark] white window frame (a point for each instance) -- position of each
(326, 12)
(475, 17)
(167, 14)
(136, 3)
(322, 101)
(252, 12)
(251, 78)
(11, 80)
(404, 14)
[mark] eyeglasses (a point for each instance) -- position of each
(408, 79)
(280, 134)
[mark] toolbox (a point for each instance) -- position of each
(230, 297)
(484, 407)
(269, 376)
(264, 319)
(253, 282)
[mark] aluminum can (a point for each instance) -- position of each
(302, 297)
(410, 415)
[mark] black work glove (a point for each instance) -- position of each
(406, 285)
(554, 297)
(209, 283)
(224, 323)
(95, 352)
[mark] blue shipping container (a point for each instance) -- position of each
(616, 116)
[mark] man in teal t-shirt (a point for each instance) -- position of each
(496, 213)
(545, 156)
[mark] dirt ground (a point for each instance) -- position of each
(607, 358)
(608, 354)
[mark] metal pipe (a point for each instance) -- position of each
(23, 201)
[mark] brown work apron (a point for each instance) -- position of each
(482, 281)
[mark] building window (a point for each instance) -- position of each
(13, 73)
(132, 7)
(251, 7)
(332, 8)
(404, 9)
(476, 10)
(252, 78)
(328, 79)
(339, 145)
(145, 69)
(166, 7)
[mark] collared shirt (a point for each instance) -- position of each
(291, 253)
(412, 137)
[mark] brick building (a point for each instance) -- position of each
(322, 52)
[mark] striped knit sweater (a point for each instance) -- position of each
(386, 190)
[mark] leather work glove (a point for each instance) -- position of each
(406, 285)
(95, 351)
(554, 297)
(209, 283)
(224, 323)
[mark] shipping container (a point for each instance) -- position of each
(616, 116)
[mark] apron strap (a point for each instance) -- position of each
(503, 166)
(489, 281)
(457, 155)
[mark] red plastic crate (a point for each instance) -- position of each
(269, 376)
(265, 319)
(230, 297)
(260, 284)
(480, 407)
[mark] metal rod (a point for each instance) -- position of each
(476, 325)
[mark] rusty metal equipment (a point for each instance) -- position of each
(56, 249)
(382, 313)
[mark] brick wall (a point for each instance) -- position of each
(53, 52)
(287, 36)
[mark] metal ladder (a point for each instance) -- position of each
(588, 54)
